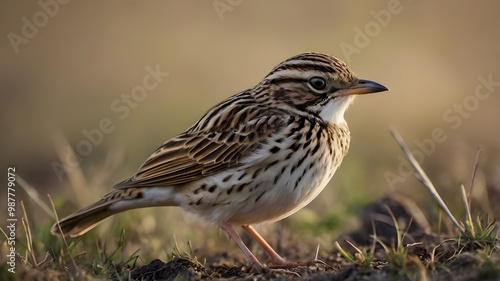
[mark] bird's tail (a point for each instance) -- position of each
(117, 201)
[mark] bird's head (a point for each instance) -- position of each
(318, 84)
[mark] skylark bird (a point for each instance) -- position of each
(258, 156)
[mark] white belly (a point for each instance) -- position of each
(266, 187)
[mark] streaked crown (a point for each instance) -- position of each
(301, 68)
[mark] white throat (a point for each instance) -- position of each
(334, 110)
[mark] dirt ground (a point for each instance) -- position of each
(424, 256)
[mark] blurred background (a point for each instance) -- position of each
(73, 94)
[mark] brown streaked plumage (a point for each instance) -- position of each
(258, 156)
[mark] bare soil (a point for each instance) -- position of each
(426, 255)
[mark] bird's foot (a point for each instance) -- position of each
(291, 265)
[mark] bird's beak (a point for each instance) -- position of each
(364, 87)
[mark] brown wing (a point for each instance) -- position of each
(194, 155)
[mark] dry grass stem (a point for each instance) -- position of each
(33, 194)
(467, 208)
(422, 177)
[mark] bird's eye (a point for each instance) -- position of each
(318, 83)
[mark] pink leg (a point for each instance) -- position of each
(254, 262)
(275, 258)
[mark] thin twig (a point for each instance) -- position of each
(317, 253)
(29, 237)
(422, 177)
(474, 170)
(33, 194)
(467, 209)
(63, 237)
